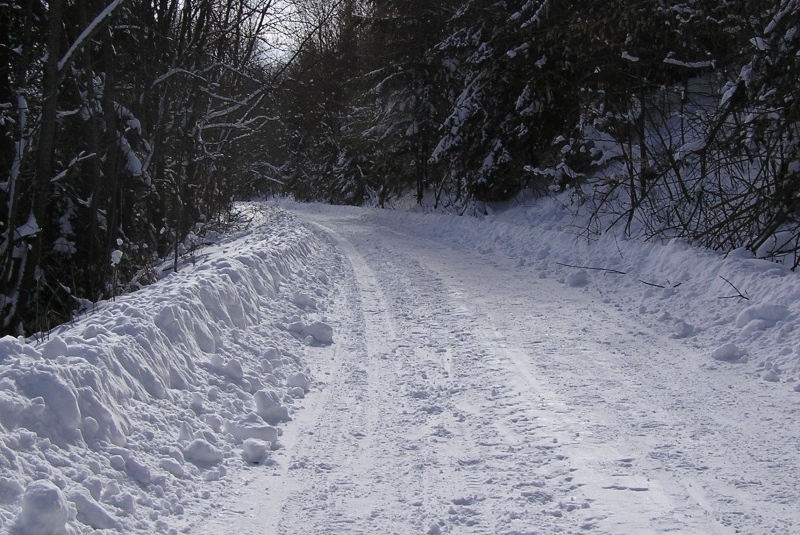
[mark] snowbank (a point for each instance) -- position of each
(123, 419)
(708, 298)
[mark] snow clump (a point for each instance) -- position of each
(251, 426)
(682, 330)
(299, 380)
(268, 406)
(44, 510)
(92, 513)
(255, 451)
(201, 452)
(579, 278)
(318, 330)
(760, 317)
(726, 353)
(303, 300)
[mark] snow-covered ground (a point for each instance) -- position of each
(346, 370)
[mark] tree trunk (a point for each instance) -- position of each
(44, 152)
(111, 170)
(6, 89)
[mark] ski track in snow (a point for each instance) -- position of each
(464, 394)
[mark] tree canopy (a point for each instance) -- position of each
(128, 127)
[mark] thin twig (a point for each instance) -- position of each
(593, 268)
(740, 295)
(659, 285)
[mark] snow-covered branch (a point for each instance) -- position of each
(176, 70)
(86, 35)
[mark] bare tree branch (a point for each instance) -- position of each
(607, 270)
(86, 35)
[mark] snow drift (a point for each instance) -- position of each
(120, 420)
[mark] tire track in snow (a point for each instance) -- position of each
(380, 482)
(466, 469)
(442, 488)
(581, 470)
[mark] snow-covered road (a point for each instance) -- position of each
(469, 393)
(332, 370)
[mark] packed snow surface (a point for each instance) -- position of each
(347, 370)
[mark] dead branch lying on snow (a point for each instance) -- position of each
(607, 270)
(738, 295)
